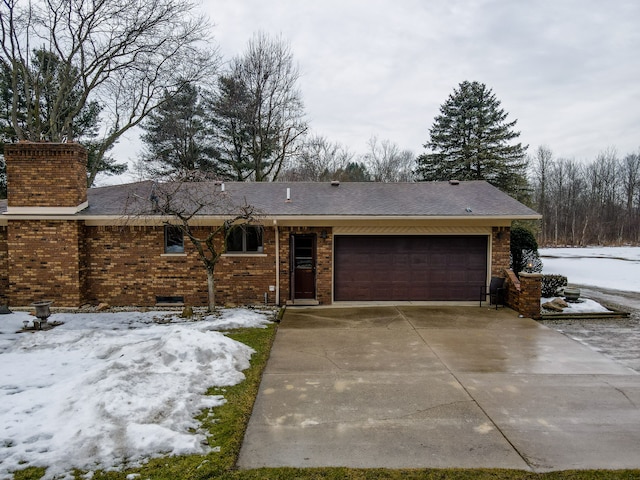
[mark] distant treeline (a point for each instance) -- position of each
(595, 203)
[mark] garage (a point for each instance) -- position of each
(409, 268)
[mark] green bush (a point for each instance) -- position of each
(551, 284)
(524, 248)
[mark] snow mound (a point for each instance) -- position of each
(107, 389)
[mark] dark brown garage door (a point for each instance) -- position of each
(401, 268)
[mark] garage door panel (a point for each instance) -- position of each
(397, 268)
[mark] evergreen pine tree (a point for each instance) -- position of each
(177, 139)
(471, 140)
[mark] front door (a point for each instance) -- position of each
(303, 263)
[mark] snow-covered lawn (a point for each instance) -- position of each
(608, 268)
(105, 389)
(615, 268)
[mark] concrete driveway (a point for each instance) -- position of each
(430, 387)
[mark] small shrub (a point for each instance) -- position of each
(551, 284)
(531, 262)
(522, 241)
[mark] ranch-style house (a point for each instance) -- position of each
(313, 243)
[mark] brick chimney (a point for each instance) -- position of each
(46, 178)
(46, 187)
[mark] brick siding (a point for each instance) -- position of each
(530, 292)
(500, 250)
(127, 266)
(523, 294)
(4, 266)
(244, 279)
(285, 262)
(46, 259)
(31, 168)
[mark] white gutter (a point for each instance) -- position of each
(207, 219)
(277, 230)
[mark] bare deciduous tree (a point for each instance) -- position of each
(259, 111)
(541, 165)
(123, 54)
(630, 180)
(319, 160)
(180, 202)
(596, 202)
(387, 162)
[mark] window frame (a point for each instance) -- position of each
(244, 228)
(175, 248)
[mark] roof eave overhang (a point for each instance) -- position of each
(285, 220)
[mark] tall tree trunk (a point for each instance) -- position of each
(584, 240)
(211, 290)
(555, 225)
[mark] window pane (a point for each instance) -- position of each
(234, 240)
(254, 238)
(173, 240)
(244, 238)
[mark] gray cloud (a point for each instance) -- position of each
(566, 70)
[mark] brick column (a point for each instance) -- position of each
(500, 250)
(530, 291)
(325, 266)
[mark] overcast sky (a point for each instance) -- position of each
(567, 70)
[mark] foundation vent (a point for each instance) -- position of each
(177, 300)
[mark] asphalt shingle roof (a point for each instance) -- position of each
(423, 199)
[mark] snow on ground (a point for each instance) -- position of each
(585, 305)
(614, 268)
(105, 389)
(601, 268)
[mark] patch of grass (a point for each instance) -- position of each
(231, 419)
(426, 474)
(31, 473)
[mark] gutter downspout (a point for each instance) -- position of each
(275, 224)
